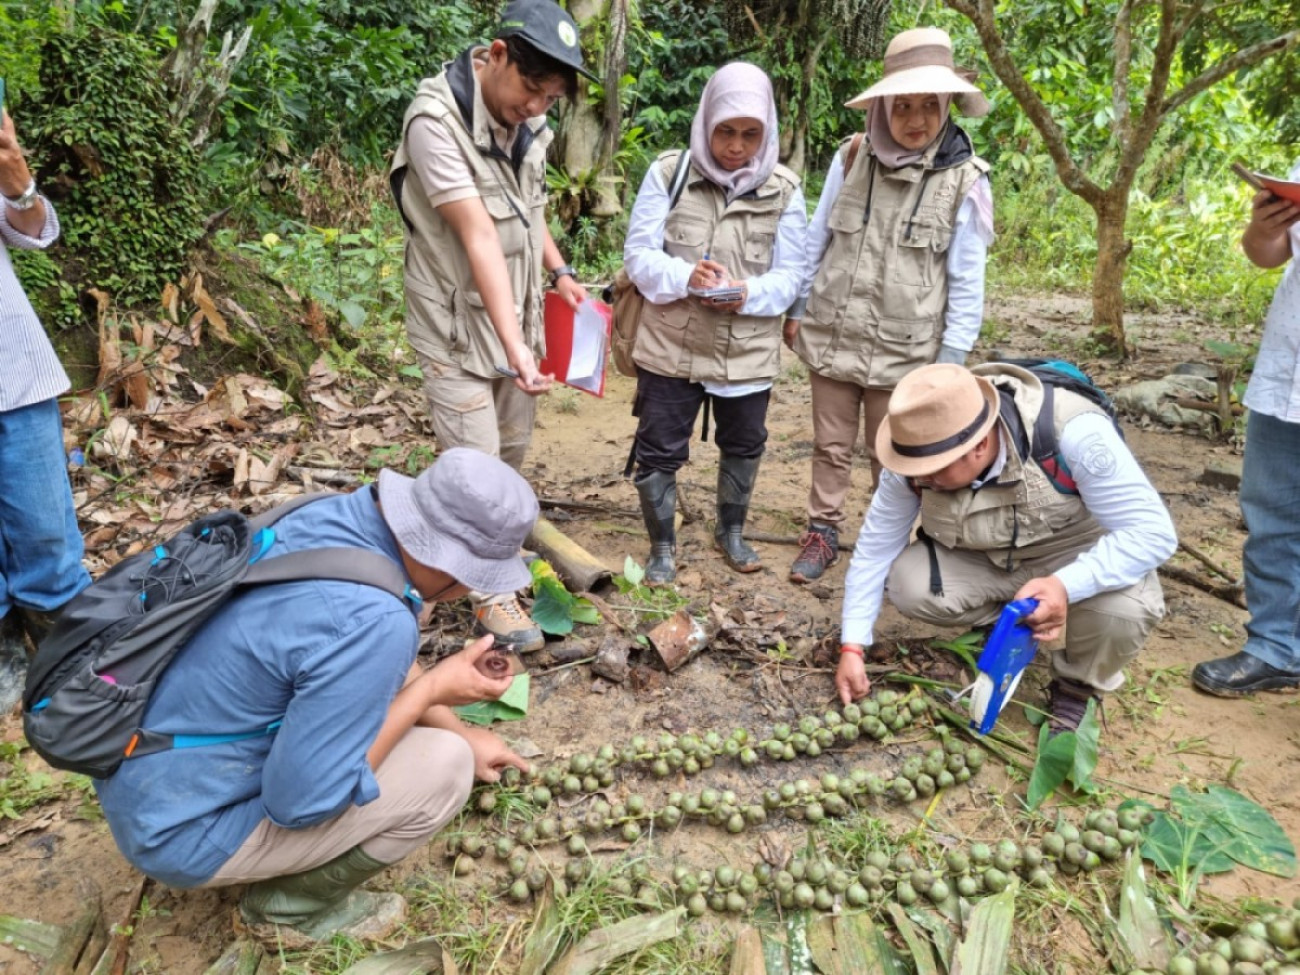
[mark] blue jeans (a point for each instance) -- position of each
(40, 544)
(1270, 503)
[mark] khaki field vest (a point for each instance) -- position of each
(876, 309)
(445, 317)
(686, 340)
(1020, 515)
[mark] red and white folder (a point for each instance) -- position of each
(577, 343)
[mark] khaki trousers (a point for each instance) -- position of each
(423, 783)
(837, 408)
(1103, 633)
(491, 415)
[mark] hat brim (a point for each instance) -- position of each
(924, 466)
(436, 550)
(925, 80)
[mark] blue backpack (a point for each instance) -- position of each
(1042, 444)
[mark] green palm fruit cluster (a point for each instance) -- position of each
(1269, 946)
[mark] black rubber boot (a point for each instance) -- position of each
(736, 477)
(658, 491)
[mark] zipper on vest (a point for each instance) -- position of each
(496, 153)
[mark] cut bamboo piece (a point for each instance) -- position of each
(579, 569)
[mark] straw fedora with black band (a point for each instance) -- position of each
(919, 62)
(937, 413)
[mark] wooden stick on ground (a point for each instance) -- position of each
(1229, 594)
(1209, 563)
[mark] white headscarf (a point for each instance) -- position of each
(736, 90)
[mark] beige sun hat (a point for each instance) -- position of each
(936, 414)
(919, 62)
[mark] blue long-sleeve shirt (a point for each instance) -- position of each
(325, 657)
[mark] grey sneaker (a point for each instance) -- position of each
(819, 549)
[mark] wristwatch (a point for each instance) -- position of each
(25, 201)
(562, 271)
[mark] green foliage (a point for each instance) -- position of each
(127, 184)
(1208, 832)
(555, 609)
(1068, 757)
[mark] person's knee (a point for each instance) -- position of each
(910, 588)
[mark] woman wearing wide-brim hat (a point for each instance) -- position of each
(896, 256)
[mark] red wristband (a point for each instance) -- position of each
(845, 648)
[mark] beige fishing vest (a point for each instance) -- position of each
(685, 339)
(876, 309)
(445, 317)
(1020, 515)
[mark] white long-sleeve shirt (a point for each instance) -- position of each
(967, 257)
(1274, 387)
(30, 371)
(1139, 531)
(662, 278)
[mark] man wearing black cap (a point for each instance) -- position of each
(470, 180)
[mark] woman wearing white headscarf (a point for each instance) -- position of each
(737, 221)
(895, 269)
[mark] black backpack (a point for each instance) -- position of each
(1042, 444)
(91, 678)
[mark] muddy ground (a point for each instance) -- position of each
(1158, 731)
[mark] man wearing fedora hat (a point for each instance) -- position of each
(895, 266)
(362, 759)
(995, 527)
(469, 178)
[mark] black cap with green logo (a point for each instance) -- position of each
(546, 26)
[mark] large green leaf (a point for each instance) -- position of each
(1085, 749)
(987, 944)
(1245, 830)
(1140, 928)
(1055, 762)
(552, 607)
(1177, 848)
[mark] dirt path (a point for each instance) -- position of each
(1158, 731)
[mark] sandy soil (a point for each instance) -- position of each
(1158, 732)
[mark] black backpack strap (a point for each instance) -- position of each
(339, 564)
(1010, 418)
(680, 175)
(1045, 444)
(936, 576)
(271, 515)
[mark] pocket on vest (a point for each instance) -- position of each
(758, 252)
(687, 239)
(916, 256)
(510, 227)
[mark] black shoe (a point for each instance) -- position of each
(1241, 674)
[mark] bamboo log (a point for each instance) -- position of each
(579, 569)
(241, 958)
(63, 961)
(34, 937)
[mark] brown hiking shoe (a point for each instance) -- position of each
(1067, 702)
(819, 549)
(510, 624)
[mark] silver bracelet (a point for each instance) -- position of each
(26, 200)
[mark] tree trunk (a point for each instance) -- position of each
(1108, 271)
(589, 132)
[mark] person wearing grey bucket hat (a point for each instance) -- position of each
(469, 178)
(359, 758)
(466, 516)
(895, 266)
